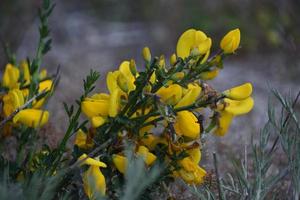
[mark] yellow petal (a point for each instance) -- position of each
(231, 41)
(32, 117)
(11, 76)
(43, 74)
(112, 81)
(204, 46)
(94, 182)
(186, 124)
(171, 94)
(240, 92)
(195, 155)
(239, 107)
(148, 157)
(99, 96)
(114, 103)
(97, 121)
(192, 39)
(91, 161)
(190, 97)
(120, 162)
(204, 59)
(12, 100)
(224, 123)
(127, 75)
(92, 108)
(25, 70)
(80, 139)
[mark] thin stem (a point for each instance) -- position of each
(218, 177)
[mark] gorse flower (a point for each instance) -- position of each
(238, 101)
(93, 179)
(193, 41)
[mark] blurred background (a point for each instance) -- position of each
(100, 34)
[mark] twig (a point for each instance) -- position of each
(218, 177)
(284, 124)
(11, 116)
(91, 154)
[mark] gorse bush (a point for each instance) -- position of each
(143, 134)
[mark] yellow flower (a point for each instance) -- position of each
(148, 157)
(209, 75)
(191, 172)
(186, 124)
(240, 92)
(236, 107)
(122, 79)
(93, 179)
(32, 117)
(171, 94)
(11, 76)
(120, 162)
(193, 40)
(190, 96)
(81, 140)
(224, 122)
(146, 54)
(12, 100)
(231, 41)
(25, 70)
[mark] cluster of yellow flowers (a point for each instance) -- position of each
(16, 82)
(168, 109)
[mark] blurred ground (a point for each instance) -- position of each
(84, 39)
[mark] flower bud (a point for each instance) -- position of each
(162, 62)
(173, 59)
(146, 54)
(231, 41)
(209, 75)
(133, 67)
